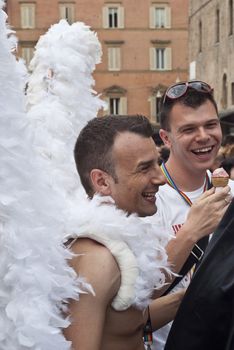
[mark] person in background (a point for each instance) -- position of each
(190, 128)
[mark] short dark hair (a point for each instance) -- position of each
(93, 149)
(192, 98)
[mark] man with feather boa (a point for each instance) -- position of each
(124, 258)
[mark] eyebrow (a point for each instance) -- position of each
(145, 163)
(195, 125)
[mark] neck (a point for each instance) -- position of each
(185, 178)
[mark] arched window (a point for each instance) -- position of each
(116, 99)
(217, 24)
(224, 89)
(230, 17)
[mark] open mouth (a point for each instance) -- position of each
(149, 196)
(202, 151)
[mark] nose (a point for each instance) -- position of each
(158, 178)
(202, 135)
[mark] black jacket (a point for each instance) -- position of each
(205, 319)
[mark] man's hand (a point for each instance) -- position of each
(203, 218)
(206, 212)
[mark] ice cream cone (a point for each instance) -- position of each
(219, 181)
(220, 178)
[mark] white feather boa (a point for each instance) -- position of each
(35, 277)
(138, 247)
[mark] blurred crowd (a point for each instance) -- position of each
(225, 157)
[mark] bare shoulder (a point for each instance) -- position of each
(95, 262)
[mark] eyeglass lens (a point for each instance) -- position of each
(200, 86)
(177, 91)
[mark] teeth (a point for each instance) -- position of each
(149, 195)
(203, 150)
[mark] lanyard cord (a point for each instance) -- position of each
(148, 332)
(173, 185)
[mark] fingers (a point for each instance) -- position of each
(222, 191)
(208, 210)
(207, 193)
(213, 195)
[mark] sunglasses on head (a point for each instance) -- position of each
(178, 90)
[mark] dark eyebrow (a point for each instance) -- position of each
(146, 163)
(213, 120)
(194, 125)
(186, 126)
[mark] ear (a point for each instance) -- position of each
(165, 137)
(100, 181)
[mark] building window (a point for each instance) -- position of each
(224, 92)
(217, 24)
(27, 54)
(200, 37)
(27, 14)
(160, 58)
(117, 105)
(157, 106)
(67, 11)
(230, 17)
(114, 105)
(160, 16)
(114, 59)
(116, 100)
(155, 102)
(232, 93)
(113, 16)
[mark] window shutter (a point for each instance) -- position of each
(152, 17)
(27, 54)
(118, 58)
(152, 54)
(105, 17)
(152, 107)
(23, 16)
(32, 10)
(62, 12)
(27, 14)
(71, 14)
(123, 105)
(110, 58)
(107, 100)
(121, 17)
(114, 59)
(168, 59)
(168, 17)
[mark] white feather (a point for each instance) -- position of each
(35, 277)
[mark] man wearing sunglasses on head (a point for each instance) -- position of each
(190, 128)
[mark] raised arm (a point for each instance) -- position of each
(203, 218)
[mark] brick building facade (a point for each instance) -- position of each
(144, 42)
(211, 51)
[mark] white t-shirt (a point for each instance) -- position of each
(172, 213)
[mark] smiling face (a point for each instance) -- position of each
(194, 137)
(138, 174)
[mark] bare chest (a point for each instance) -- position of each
(123, 330)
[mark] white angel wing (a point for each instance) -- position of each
(35, 277)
